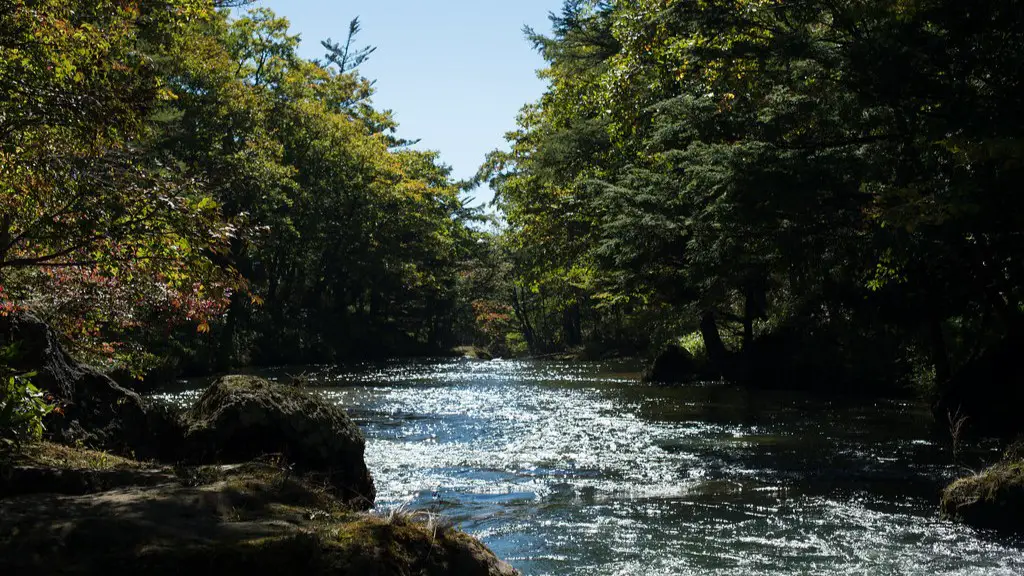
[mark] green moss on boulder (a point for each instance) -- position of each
(250, 520)
(993, 499)
(243, 417)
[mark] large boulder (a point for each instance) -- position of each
(95, 410)
(240, 418)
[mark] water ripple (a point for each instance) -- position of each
(577, 469)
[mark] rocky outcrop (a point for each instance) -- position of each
(243, 417)
(48, 468)
(95, 410)
(247, 521)
(993, 499)
(237, 419)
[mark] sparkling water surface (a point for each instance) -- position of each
(578, 469)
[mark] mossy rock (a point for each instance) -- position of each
(398, 546)
(243, 417)
(993, 499)
(246, 520)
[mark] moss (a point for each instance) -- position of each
(362, 547)
(45, 467)
(248, 519)
(401, 545)
(60, 457)
(992, 499)
(172, 531)
(261, 483)
(1015, 451)
(293, 554)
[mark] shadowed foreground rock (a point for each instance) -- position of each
(993, 499)
(250, 520)
(68, 510)
(243, 417)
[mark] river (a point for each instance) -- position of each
(578, 469)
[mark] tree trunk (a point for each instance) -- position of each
(717, 353)
(571, 325)
(519, 306)
(5, 242)
(226, 354)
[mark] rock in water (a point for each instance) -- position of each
(243, 417)
(993, 499)
(674, 365)
(96, 410)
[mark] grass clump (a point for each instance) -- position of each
(992, 499)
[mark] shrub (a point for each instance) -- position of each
(516, 344)
(22, 406)
(694, 344)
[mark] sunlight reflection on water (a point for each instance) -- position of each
(577, 469)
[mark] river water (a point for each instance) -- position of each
(578, 469)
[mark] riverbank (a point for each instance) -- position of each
(566, 468)
(254, 477)
(76, 510)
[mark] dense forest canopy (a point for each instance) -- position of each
(811, 193)
(807, 191)
(177, 183)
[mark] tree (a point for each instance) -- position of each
(347, 58)
(95, 225)
(347, 241)
(821, 189)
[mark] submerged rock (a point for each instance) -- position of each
(247, 520)
(993, 499)
(243, 417)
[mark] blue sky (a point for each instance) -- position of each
(455, 72)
